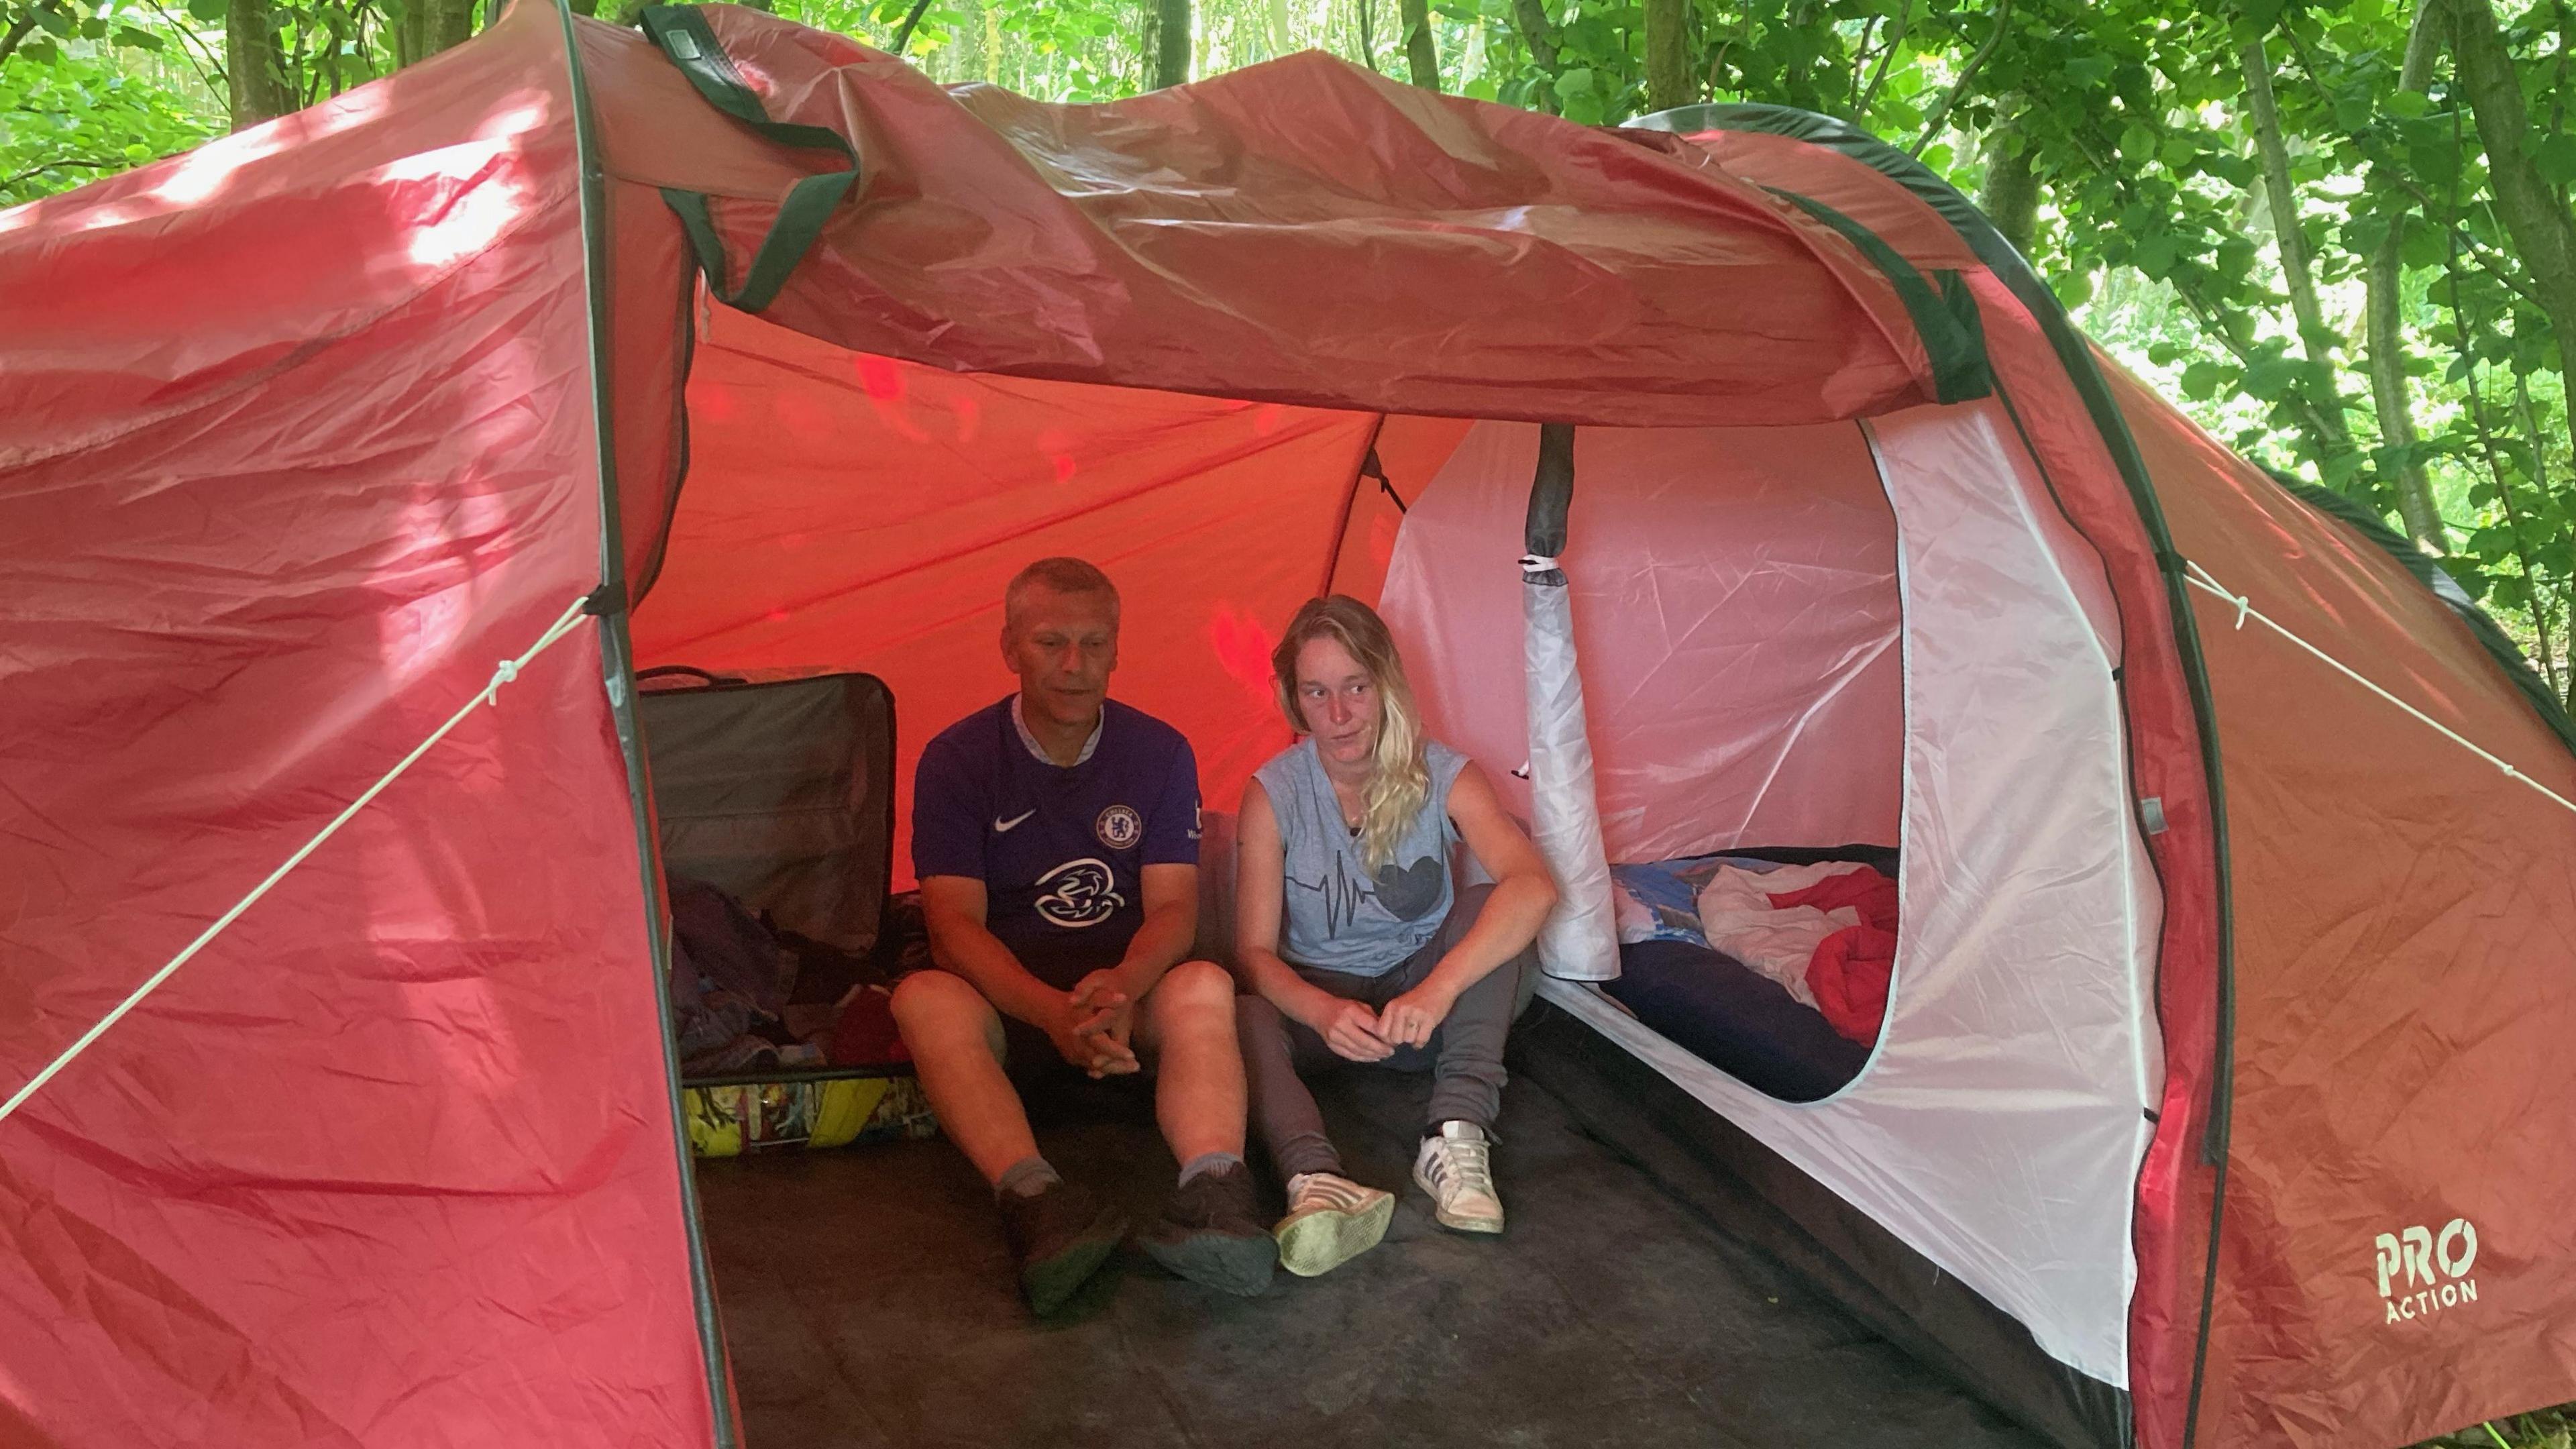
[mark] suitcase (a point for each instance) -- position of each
(778, 789)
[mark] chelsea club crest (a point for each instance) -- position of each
(1118, 827)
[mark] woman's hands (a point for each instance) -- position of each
(1356, 1033)
(1351, 1030)
(1410, 1019)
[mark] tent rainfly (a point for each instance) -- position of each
(2217, 1099)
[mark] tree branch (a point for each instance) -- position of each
(903, 32)
(2421, 43)
(18, 29)
(1878, 79)
(1940, 116)
(212, 71)
(85, 162)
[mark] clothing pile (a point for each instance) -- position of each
(733, 977)
(1826, 932)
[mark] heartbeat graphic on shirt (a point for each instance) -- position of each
(1342, 896)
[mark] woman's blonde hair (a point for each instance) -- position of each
(1400, 781)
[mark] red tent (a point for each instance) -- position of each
(303, 431)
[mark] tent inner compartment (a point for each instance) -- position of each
(1737, 608)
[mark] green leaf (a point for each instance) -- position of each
(127, 35)
(2233, 169)
(1575, 82)
(209, 11)
(2272, 378)
(2338, 470)
(2202, 380)
(2426, 244)
(2157, 254)
(2556, 158)
(2088, 70)
(41, 49)
(2407, 105)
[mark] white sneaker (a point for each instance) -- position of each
(1330, 1221)
(1457, 1169)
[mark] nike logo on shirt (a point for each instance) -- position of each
(1004, 827)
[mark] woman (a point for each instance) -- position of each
(1345, 842)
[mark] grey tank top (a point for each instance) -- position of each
(1336, 916)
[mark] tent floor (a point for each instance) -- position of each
(868, 1300)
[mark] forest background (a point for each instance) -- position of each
(2338, 231)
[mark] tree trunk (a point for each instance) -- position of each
(2385, 330)
(2010, 197)
(2315, 338)
(1167, 42)
(1280, 41)
(1531, 16)
(254, 65)
(1668, 62)
(1421, 53)
(2543, 231)
(430, 26)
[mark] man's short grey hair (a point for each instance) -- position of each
(1061, 575)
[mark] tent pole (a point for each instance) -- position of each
(616, 653)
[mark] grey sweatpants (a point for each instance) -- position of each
(1465, 1057)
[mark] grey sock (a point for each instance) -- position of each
(1027, 1177)
(1208, 1162)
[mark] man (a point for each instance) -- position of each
(1055, 834)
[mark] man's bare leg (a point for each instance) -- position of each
(1209, 1232)
(1187, 1021)
(1060, 1233)
(955, 1038)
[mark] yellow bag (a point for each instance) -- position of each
(727, 1121)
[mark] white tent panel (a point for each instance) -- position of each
(1735, 610)
(1999, 1126)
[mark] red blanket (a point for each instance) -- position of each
(1850, 970)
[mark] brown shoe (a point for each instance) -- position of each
(1210, 1233)
(1061, 1236)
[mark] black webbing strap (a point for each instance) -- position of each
(1370, 467)
(683, 35)
(1551, 494)
(1953, 336)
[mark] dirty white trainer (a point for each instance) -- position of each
(1456, 1168)
(1330, 1221)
